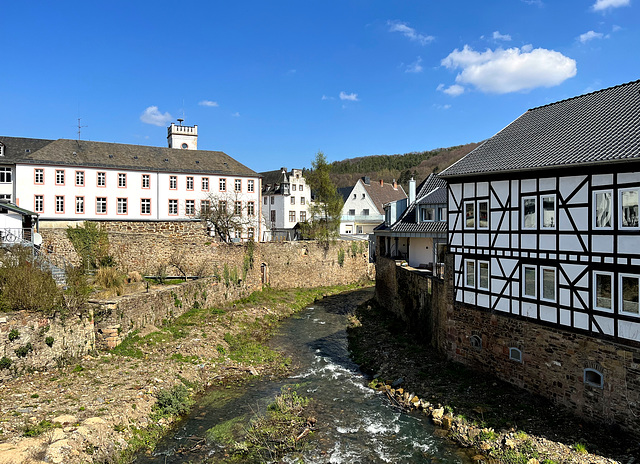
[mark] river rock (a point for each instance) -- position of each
(437, 413)
(397, 382)
(447, 421)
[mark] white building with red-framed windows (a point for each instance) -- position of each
(77, 180)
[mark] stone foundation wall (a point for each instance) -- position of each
(553, 363)
(553, 360)
(416, 297)
(70, 339)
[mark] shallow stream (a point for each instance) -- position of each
(354, 423)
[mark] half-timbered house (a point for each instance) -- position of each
(543, 218)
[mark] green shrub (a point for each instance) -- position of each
(5, 363)
(49, 341)
(38, 429)
(341, 257)
(91, 242)
(173, 402)
(14, 335)
(24, 350)
(25, 285)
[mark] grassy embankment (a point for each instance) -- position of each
(240, 353)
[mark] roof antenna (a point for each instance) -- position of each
(180, 120)
(79, 128)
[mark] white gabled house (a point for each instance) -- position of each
(543, 217)
(77, 180)
(363, 208)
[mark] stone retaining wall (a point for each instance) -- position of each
(146, 246)
(553, 360)
(70, 338)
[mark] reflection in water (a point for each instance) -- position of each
(354, 423)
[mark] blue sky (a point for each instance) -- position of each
(273, 82)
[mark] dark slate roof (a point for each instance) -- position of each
(345, 192)
(599, 127)
(383, 194)
(433, 190)
(13, 207)
(16, 148)
(135, 157)
(273, 180)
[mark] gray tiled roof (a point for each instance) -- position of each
(599, 127)
(122, 156)
(273, 180)
(433, 190)
(16, 148)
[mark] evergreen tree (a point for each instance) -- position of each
(326, 208)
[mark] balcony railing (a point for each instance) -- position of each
(16, 235)
(373, 218)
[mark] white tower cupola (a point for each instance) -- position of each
(182, 137)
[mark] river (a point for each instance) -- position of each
(354, 423)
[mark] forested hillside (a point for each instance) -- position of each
(400, 167)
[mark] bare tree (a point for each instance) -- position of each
(227, 215)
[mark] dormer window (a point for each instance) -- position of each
(1, 149)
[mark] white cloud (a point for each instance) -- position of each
(152, 116)
(498, 36)
(409, 32)
(510, 70)
(442, 107)
(534, 2)
(453, 90)
(414, 67)
(236, 114)
(587, 36)
(324, 97)
(601, 5)
(208, 103)
(349, 96)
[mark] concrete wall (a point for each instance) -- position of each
(553, 360)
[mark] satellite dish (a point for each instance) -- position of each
(37, 239)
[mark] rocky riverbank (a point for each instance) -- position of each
(495, 421)
(104, 408)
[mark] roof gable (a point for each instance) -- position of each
(381, 193)
(599, 127)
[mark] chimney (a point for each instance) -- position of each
(381, 183)
(412, 190)
(395, 185)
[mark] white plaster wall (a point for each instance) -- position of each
(420, 251)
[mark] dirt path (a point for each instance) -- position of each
(509, 422)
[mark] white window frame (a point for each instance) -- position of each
(173, 182)
(190, 207)
(478, 226)
(38, 176)
(587, 378)
(472, 204)
(555, 211)
(122, 180)
(79, 178)
(190, 183)
(524, 281)
(251, 186)
(535, 215)
(205, 184)
(595, 209)
(620, 209)
(145, 206)
(237, 185)
(515, 354)
(621, 293)
(60, 177)
(59, 204)
(79, 205)
(469, 273)
(544, 269)
(595, 290)
(480, 264)
(173, 207)
(101, 201)
(146, 181)
(101, 179)
(122, 206)
(38, 204)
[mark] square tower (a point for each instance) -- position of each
(182, 137)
